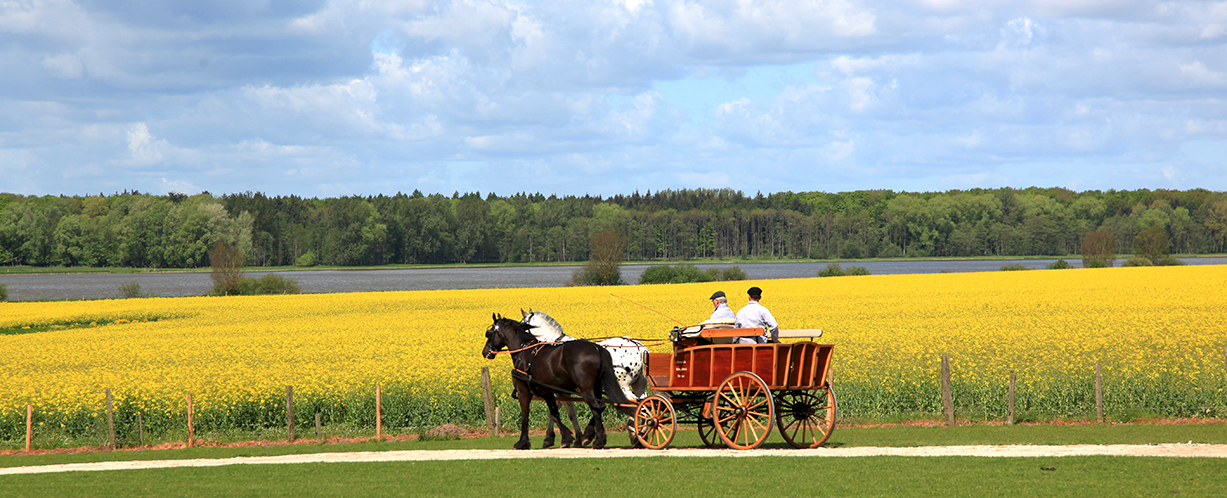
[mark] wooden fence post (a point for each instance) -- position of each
(29, 425)
(190, 429)
(289, 412)
(1098, 395)
(947, 393)
(140, 427)
(487, 397)
(319, 434)
(378, 412)
(1011, 400)
(110, 420)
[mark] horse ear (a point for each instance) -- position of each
(494, 316)
(523, 314)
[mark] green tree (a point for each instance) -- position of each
(1098, 249)
(227, 265)
(1216, 223)
(680, 274)
(273, 283)
(1152, 243)
(607, 247)
(472, 220)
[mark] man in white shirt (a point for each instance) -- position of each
(756, 316)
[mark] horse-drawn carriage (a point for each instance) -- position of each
(734, 393)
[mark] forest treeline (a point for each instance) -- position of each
(133, 229)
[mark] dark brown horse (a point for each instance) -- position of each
(546, 370)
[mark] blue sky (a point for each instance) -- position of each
(338, 97)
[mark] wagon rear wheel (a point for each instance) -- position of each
(743, 411)
(806, 418)
(707, 432)
(655, 422)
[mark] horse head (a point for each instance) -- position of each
(505, 333)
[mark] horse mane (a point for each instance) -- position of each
(521, 329)
(548, 323)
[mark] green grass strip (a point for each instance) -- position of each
(671, 477)
(843, 437)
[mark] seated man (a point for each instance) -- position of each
(756, 316)
(721, 303)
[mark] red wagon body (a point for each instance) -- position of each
(736, 393)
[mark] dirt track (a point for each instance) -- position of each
(1156, 450)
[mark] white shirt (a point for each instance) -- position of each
(722, 311)
(755, 316)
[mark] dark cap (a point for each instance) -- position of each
(716, 295)
(755, 291)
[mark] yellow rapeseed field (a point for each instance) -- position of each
(1160, 324)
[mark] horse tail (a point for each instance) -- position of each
(609, 382)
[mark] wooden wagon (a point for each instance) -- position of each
(736, 393)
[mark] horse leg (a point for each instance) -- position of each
(596, 427)
(555, 417)
(525, 399)
(549, 433)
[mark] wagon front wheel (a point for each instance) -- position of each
(806, 418)
(743, 411)
(655, 422)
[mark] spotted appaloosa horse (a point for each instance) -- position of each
(629, 356)
(629, 360)
(544, 370)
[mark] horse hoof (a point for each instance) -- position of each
(523, 445)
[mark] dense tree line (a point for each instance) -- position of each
(141, 230)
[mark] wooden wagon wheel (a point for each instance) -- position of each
(707, 432)
(743, 411)
(707, 426)
(806, 418)
(655, 422)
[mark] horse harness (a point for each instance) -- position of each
(526, 374)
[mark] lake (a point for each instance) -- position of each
(26, 287)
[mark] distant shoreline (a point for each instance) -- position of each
(60, 270)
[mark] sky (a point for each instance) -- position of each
(325, 98)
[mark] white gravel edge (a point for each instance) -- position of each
(1137, 450)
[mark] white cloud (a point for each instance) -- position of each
(140, 143)
(64, 65)
(1198, 75)
(292, 95)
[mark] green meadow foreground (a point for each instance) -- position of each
(771, 476)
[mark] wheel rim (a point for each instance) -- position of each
(806, 419)
(655, 422)
(743, 411)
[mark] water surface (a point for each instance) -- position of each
(26, 287)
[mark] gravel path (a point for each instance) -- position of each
(1155, 450)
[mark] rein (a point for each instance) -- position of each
(645, 342)
(528, 347)
(647, 308)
